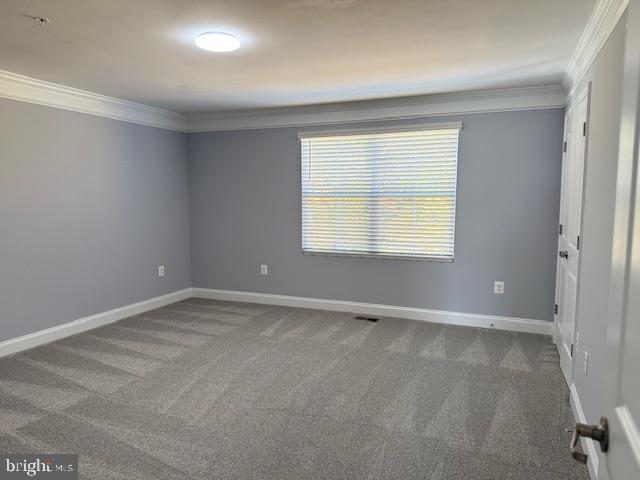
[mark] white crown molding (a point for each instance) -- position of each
(41, 337)
(511, 99)
(27, 89)
(603, 19)
(422, 314)
(32, 90)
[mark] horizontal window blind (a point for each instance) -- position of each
(387, 193)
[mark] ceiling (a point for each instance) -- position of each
(295, 52)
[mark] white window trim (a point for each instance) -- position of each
(388, 129)
(381, 256)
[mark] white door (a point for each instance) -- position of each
(622, 461)
(569, 231)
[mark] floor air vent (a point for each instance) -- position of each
(368, 319)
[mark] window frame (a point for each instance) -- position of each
(305, 134)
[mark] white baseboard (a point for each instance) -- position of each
(587, 443)
(435, 316)
(35, 339)
(41, 337)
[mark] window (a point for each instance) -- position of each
(385, 193)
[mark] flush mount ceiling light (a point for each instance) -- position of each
(217, 42)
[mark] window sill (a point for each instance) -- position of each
(377, 256)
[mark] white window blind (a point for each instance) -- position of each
(380, 193)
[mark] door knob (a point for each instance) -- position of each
(563, 254)
(599, 433)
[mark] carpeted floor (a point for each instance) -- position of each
(215, 390)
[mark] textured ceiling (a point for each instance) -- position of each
(294, 52)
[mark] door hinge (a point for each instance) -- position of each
(572, 350)
(564, 147)
(560, 230)
(555, 309)
(584, 129)
(578, 243)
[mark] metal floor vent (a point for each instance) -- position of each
(368, 319)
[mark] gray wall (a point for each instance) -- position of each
(89, 207)
(245, 210)
(605, 76)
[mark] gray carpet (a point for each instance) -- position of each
(216, 390)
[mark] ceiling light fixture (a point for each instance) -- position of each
(217, 42)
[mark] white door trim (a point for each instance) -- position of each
(631, 430)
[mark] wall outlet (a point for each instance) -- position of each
(498, 288)
(585, 361)
(161, 271)
(264, 270)
(577, 341)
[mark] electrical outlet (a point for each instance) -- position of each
(498, 288)
(577, 341)
(264, 270)
(161, 271)
(585, 361)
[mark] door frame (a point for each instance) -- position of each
(563, 186)
(584, 92)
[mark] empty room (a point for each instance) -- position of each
(320, 239)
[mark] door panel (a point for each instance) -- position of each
(570, 219)
(560, 270)
(571, 286)
(576, 179)
(622, 460)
